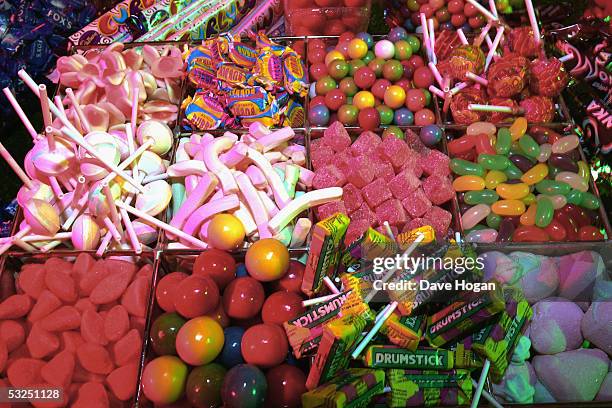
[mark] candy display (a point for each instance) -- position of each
(326, 17)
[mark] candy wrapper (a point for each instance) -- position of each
(420, 359)
(353, 388)
(404, 331)
(412, 388)
(371, 244)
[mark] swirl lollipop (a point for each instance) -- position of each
(508, 76)
(548, 77)
(466, 58)
(106, 147)
(85, 233)
(459, 106)
(158, 132)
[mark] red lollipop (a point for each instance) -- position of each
(243, 298)
(217, 264)
(334, 99)
(264, 345)
(497, 117)
(466, 58)
(508, 76)
(538, 109)
(286, 384)
(195, 296)
(548, 77)
(423, 77)
(365, 77)
(369, 119)
(523, 43)
(281, 307)
(166, 287)
(379, 88)
(292, 281)
(459, 106)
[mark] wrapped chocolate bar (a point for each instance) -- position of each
(417, 388)
(396, 357)
(353, 388)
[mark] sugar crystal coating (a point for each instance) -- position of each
(438, 189)
(416, 203)
(376, 193)
(328, 176)
(402, 184)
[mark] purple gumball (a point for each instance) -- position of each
(318, 115)
(431, 135)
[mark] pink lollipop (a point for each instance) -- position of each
(548, 77)
(85, 233)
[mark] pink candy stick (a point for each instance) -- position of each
(436, 91)
(78, 110)
(59, 104)
(432, 40)
(533, 21)
(104, 244)
(498, 36)
(280, 194)
(257, 177)
(446, 86)
(436, 73)
(111, 205)
(252, 199)
(275, 139)
(488, 15)
(20, 113)
(462, 37)
(15, 166)
(483, 34)
(134, 89)
(57, 190)
(198, 217)
(425, 29)
(187, 168)
(181, 154)
(211, 159)
(258, 130)
(269, 205)
(235, 155)
(112, 229)
(489, 41)
(129, 228)
(493, 8)
(458, 88)
(330, 285)
(206, 186)
(300, 232)
(217, 195)
(46, 113)
(79, 190)
(476, 78)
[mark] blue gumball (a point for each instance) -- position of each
(241, 270)
(466, 28)
(447, 26)
(318, 115)
(244, 386)
(408, 25)
(403, 117)
(367, 38)
(397, 34)
(431, 135)
(231, 354)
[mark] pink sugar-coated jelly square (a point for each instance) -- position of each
(326, 210)
(392, 212)
(416, 203)
(366, 143)
(341, 160)
(321, 156)
(439, 219)
(361, 171)
(435, 162)
(396, 151)
(364, 213)
(355, 230)
(351, 197)
(414, 142)
(402, 184)
(376, 193)
(438, 189)
(328, 176)
(412, 164)
(382, 168)
(336, 137)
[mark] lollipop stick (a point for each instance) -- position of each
(112, 229)
(79, 190)
(104, 243)
(488, 15)
(533, 21)
(425, 29)
(493, 8)
(488, 396)
(389, 231)
(566, 58)
(432, 40)
(498, 36)
(380, 320)
(134, 92)
(20, 113)
(315, 301)
(59, 104)
(124, 164)
(436, 91)
(49, 246)
(78, 110)
(46, 112)
(490, 108)
(436, 74)
(330, 285)
(55, 187)
(13, 165)
(481, 382)
(482, 35)
(462, 37)
(458, 88)
(476, 78)
(129, 135)
(111, 205)
(130, 231)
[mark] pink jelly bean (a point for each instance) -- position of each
(12, 333)
(94, 276)
(84, 304)
(92, 328)
(461, 145)
(64, 318)
(111, 288)
(47, 302)
(15, 306)
(24, 372)
(61, 285)
(71, 341)
(59, 370)
(136, 297)
(31, 280)
(122, 381)
(483, 144)
(91, 394)
(128, 348)
(166, 288)
(116, 323)
(41, 343)
(94, 358)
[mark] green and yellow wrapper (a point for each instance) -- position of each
(429, 388)
(396, 357)
(353, 388)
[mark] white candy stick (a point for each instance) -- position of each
(111, 205)
(489, 41)
(129, 228)
(280, 194)
(425, 29)
(330, 285)
(273, 140)
(300, 232)
(268, 204)
(481, 382)
(488, 15)
(275, 157)
(436, 74)
(260, 215)
(566, 58)
(490, 108)
(432, 39)
(493, 8)
(476, 78)
(533, 21)
(187, 168)
(104, 244)
(212, 149)
(133, 78)
(58, 103)
(156, 177)
(49, 246)
(483, 34)
(388, 229)
(205, 212)
(112, 229)
(203, 190)
(245, 217)
(462, 37)
(498, 36)
(316, 301)
(235, 155)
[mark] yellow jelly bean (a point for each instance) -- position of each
(583, 171)
(535, 174)
(493, 178)
(468, 183)
(528, 199)
(528, 217)
(508, 208)
(518, 128)
(512, 191)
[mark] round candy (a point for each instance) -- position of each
(264, 345)
(292, 281)
(424, 117)
(369, 119)
(244, 386)
(334, 100)
(369, 40)
(354, 65)
(386, 114)
(226, 232)
(397, 34)
(163, 333)
(357, 48)
(318, 70)
(231, 354)
(403, 117)
(219, 315)
(217, 264)
(346, 37)
(163, 379)
(348, 86)
(281, 306)
(243, 298)
(395, 96)
(403, 50)
(199, 341)
(267, 260)
(333, 55)
(347, 115)
(393, 70)
(431, 135)
(286, 384)
(379, 88)
(384, 49)
(338, 69)
(365, 78)
(376, 65)
(423, 77)
(318, 115)
(363, 100)
(368, 57)
(166, 288)
(395, 131)
(415, 100)
(195, 296)
(203, 389)
(324, 85)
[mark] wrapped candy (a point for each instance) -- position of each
(508, 76)
(466, 58)
(548, 77)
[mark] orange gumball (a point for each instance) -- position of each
(267, 260)
(163, 379)
(395, 96)
(199, 341)
(226, 232)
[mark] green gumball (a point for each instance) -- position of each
(163, 333)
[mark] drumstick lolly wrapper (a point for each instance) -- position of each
(413, 388)
(382, 356)
(352, 388)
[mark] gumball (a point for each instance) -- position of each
(363, 100)
(244, 386)
(407, 75)
(325, 84)
(368, 57)
(317, 56)
(447, 26)
(267, 260)
(230, 353)
(338, 69)
(403, 50)
(455, 6)
(384, 49)
(203, 388)
(403, 117)
(195, 296)
(163, 333)
(423, 78)
(430, 135)
(476, 21)
(369, 40)
(281, 306)
(342, 47)
(292, 281)
(397, 34)
(413, 5)
(318, 71)
(376, 65)
(335, 99)
(348, 86)
(386, 114)
(166, 288)
(333, 55)
(317, 100)
(357, 48)
(469, 10)
(365, 78)
(442, 15)
(395, 96)
(219, 315)
(408, 25)
(163, 379)
(346, 37)
(226, 232)
(318, 115)
(416, 61)
(458, 20)
(286, 384)
(199, 341)
(393, 70)
(241, 271)
(243, 298)
(264, 345)
(424, 117)
(316, 43)
(347, 115)
(395, 131)
(415, 100)
(427, 96)
(414, 42)
(379, 88)
(354, 65)
(369, 119)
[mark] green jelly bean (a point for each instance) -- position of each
(574, 197)
(528, 199)
(513, 172)
(515, 148)
(493, 161)
(481, 197)
(493, 220)
(466, 168)
(529, 146)
(544, 212)
(589, 201)
(551, 187)
(475, 228)
(553, 171)
(504, 141)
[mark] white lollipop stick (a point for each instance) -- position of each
(104, 244)
(300, 232)
(432, 40)
(488, 15)
(114, 216)
(532, 21)
(389, 231)
(490, 108)
(129, 135)
(330, 285)
(498, 36)
(437, 92)
(79, 190)
(380, 320)
(49, 246)
(566, 58)
(483, 34)
(476, 78)
(425, 29)
(46, 113)
(112, 229)
(462, 37)
(78, 110)
(488, 396)
(315, 301)
(134, 91)
(480, 384)
(41, 238)
(493, 8)
(15, 166)
(129, 228)
(59, 104)
(20, 113)
(55, 187)
(436, 74)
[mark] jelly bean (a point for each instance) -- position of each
(578, 214)
(483, 144)
(474, 215)
(513, 172)
(555, 231)
(522, 162)
(558, 200)
(481, 197)
(493, 220)
(553, 171)
(478, 128)
(493, 178)
(493, 161)
(526, 233)
(512, 191)
(551, 187)
(529, 216)
(508, 207)
(468, 183)
(583, 171)
(566, 144)
(588, 233)
(506, 230)
(518, 128)
(484, 236)
(463, 207)
(465, 168)
(562, 162)
(545, 152)
(589, 201)
(460, 146)
(504, 140)
(529, 146)
(574, 197)
(568, 223)
(544, 212)
(544, 135)
(515, 148)
(573, 179)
